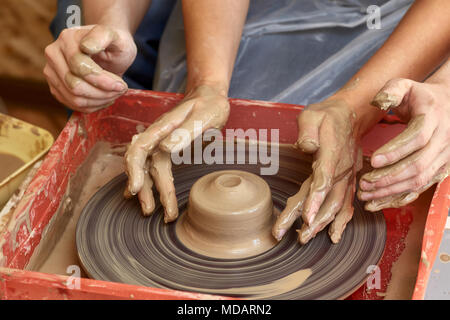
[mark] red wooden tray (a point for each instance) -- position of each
(117, 124)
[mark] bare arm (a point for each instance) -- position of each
(213, 33)
(332, 128)
(417, 46)
(122, 14)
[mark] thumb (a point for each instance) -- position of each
(97, 40)
(392, 94)
(308, 131)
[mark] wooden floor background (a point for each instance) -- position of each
(24, 93)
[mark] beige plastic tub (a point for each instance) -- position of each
(24, 141)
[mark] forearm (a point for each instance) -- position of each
(417, 46)
(442, 76)
(122, 14)
(213, 31)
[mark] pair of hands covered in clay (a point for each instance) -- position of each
(405, 167)
(84, 69)
(416, 159)
(326, 130)
(148, 157)
(85, 65)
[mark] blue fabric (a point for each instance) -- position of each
(293, 51)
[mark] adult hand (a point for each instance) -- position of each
(148, 156)
(85, 64)
(327, 130)
(419, 156)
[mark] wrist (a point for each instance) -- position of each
(117, 14)
(218, 86)
(116, 24)
(363, 115)
(441, 76)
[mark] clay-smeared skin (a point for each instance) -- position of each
(325, 129)
(344, 216)
(161, 171)
(82, 65)
(331, 206)
(391, 170)
(404, 198)
(85, 65)
(146, 196)
(292, 211)
(418, 157)
(230, 215)
(384, 100)
(205, 106)
(71, 80)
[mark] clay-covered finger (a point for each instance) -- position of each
(395, 201)
(417, 134)
(392, 94)
(72, 100)
(324, 168)
(196, 123)
(327, 212)
(309, 123)
(394, 189)
(57, 62)
(161, 172)
(415, 185)
(81, 88)
(57, 72)
(400, 200)
(77, 103)
(83, 66)
(146, 196)
(56, 93)
(420, 165)
(62, 76)
(98, 39)
(144, 143)
(343, 217)
(402, 170)
(292, 211)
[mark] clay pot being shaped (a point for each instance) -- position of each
(230, 216)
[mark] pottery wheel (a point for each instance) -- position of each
(116, 243)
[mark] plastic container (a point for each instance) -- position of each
(24, 141)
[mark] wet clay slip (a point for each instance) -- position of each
(115, 242)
